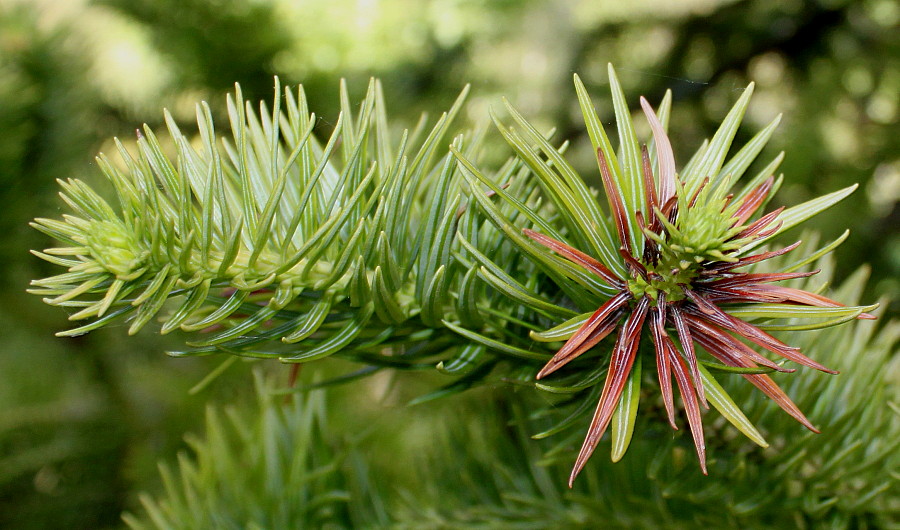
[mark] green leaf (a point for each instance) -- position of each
(587, 403)
(817, 254)
(600, 141)
(274, 201)
(310, 322)
(695, 159)
(151, 307)
(465, 360)
(626, 413)
(360, 291)
(725, 369)
(222, 312)
(192, 303)
(503, 282)
(269, 203)
(386, 306)
(795, 311)
(797, 214)
(436, 226)
(466, 304)
(305, 206)
(820, 324)
(766, 172)
(430, 145)
(630, 179)
(726, 406)
(100, 322)
(342, 264)
(435, 297)
(739, 163)
(563, 331)
(585, 227)
(576, 382)
(496, 345)
(212, 376)
(246, 325)
(533, 216)
(520, 294)
(439, 254)
(597, 230)
(713, 156)
(392, 273)
(337, 341)
(596, 132)
(460, 385)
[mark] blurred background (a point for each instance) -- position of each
(83, 421)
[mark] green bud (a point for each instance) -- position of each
(114, 247)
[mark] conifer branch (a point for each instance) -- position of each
(273, 241)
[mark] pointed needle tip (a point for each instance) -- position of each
(547, 370)
(574, 474)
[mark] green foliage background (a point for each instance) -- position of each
(83, 421)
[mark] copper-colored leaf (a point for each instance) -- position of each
(649, 184)
(620, 215)
(576, 256)
(716, 268)
(619, 368)
(689, 399)
(728, 345)
(753, 278)
(725, 295)
(669, 209)
(687, 346)
(766, 384)
(635, 266)
(600, 333)
(714, 315)
(759, 225)
(696, 194)
(753, 200)
(799, 296)
(665, 155)
(603, 320)
(663, 364)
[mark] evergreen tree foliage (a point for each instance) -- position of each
(402, 251)
(255, 468)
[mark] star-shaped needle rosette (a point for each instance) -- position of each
(687, 269)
